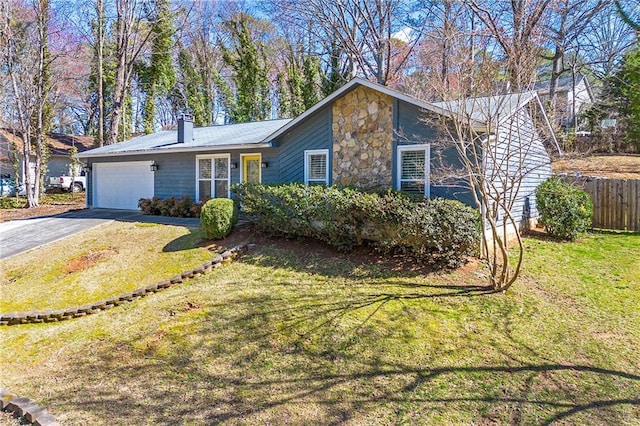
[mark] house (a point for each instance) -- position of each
(571, 100)
(364, 134)
(59, 161)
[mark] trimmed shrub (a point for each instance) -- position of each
(444, 231)
(565, 211)
(218, 217)
(183, 207)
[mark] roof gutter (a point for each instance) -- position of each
(176, 150)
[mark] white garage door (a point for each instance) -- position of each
(121, 185)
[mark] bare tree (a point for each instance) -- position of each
(362, 29)
(24, 35)
(568, 22)
(517, 27)
(604, 41)
(446, 47)
(491, 145)
(131, 37)
(99, 29)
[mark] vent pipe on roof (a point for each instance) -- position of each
(185, 128)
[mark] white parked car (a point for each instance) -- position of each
(69, 183)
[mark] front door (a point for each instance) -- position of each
(251, 168)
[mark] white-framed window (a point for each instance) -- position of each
(212, 176)
(413, 169)
(316, 167)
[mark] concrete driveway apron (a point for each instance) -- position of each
(17, 236)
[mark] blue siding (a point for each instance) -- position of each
(412, 127)
(314, 133)
(176, 174)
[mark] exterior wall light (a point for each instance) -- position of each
(234, 165)
(264, 164)
(153, 166)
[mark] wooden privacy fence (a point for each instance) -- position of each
(616, 202)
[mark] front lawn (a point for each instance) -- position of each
(106, 261)
(294, 335)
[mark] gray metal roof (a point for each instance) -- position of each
(204, 138)
(487, 110)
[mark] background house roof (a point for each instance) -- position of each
(59, 144)
(211, 137)
(564, 84)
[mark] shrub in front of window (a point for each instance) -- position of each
(565, 211)
(442, 231)
(218, 217)
(172, 206)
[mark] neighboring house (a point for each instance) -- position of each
(363, 134)
(59, 162)
(570, 100)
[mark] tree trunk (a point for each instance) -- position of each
(119, 89)
(556, 72)
(100, 11)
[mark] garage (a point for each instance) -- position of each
(121, 185)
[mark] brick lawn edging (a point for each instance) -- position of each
(15, 318)
(26, 408)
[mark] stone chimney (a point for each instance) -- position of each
(185, 128)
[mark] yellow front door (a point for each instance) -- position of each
(251, 169)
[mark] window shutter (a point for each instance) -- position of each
(413, 165)
(317, 167)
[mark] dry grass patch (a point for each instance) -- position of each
(85, 261)
(97, 264)
(609, 166)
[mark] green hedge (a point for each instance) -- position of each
(565, 211)
(218, 217)
(440, 230)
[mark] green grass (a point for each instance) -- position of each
(293, 336)
(106, 261)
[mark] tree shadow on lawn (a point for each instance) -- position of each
(309, 355)
(183, 390)
(289, 359)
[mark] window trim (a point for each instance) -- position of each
(212, 179)
(427, 166)
(242, 156)
(307, 158)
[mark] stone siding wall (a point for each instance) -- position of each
(363, 139)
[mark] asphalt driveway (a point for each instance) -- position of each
(17, 236)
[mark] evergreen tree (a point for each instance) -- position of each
(295, 82)
(193, 98)
(623, 89)
(311, 85)
(159, 76)
(284, 96)
(335, 78)
(248, 60)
